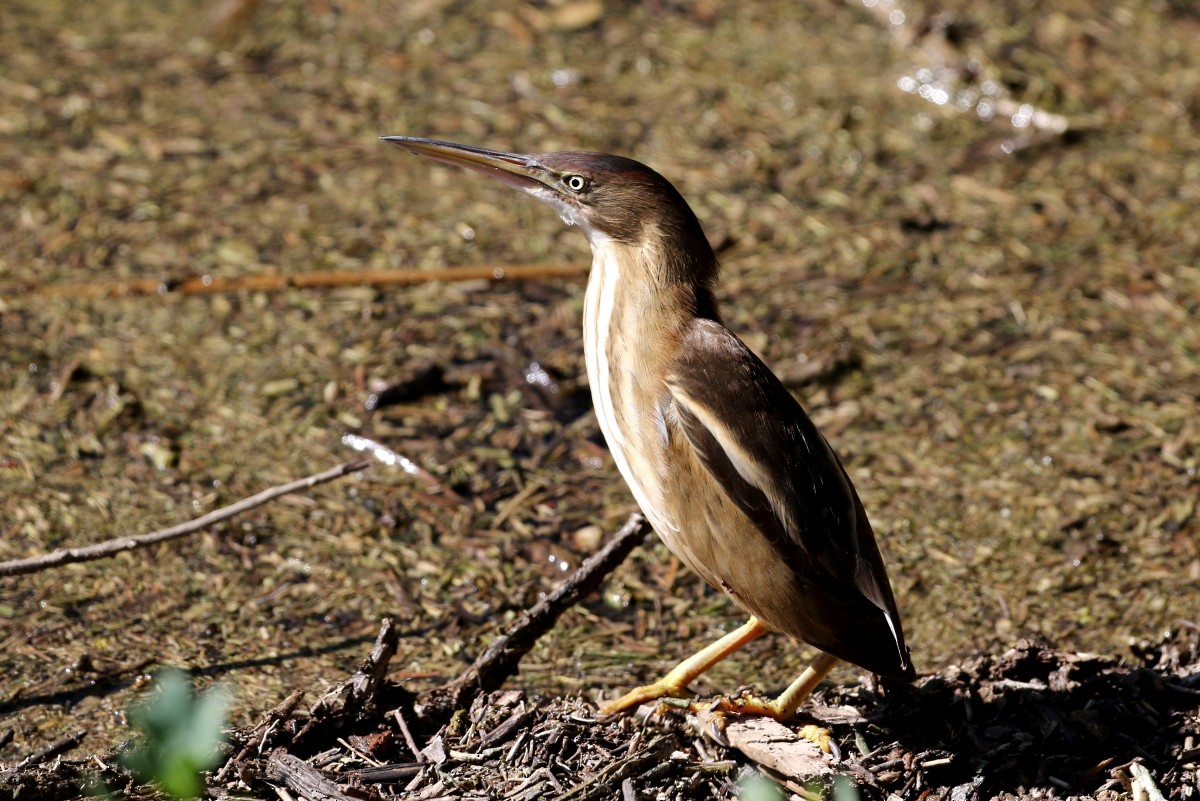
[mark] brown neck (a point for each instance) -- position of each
(640, 299)
(668, 262)
(686, 266)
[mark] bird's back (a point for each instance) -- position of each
(761, 507)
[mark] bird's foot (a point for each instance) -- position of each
(711, 720)
(642, 695)
(674, 684)
(749, 704)
(819, 735)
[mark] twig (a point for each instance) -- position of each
(102, 550)
(207, 284)
(361, 692)
(778, 751)
(1143, 783)
(409, 740)
(303, 778)
(280, 712)
(385, 773)
(357, 698)
(517, 720)
(390, 457)
(503, 656)
(605, 781)
(61, 747)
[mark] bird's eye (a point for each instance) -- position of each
(576, 183)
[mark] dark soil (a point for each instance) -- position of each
(1032, 722)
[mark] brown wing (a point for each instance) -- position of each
(762, 449)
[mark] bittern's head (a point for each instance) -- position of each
(609, 197)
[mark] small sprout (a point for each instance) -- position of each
(180, 733)
(753, 786)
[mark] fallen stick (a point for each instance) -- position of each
(502, 657)
(606, 782)
(359, 694)
(69, 743)
(357, 698)
(303, 778)
(778, 751)
(279, 713)
(103, 550)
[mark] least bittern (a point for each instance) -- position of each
(721, 458)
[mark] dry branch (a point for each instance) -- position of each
(103, 550)
(501, 658)
(778, 751)
(68, 743)
(277, 714)
(360, 693)
(606, 782)
(303, 778)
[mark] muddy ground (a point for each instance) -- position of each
(965, 235)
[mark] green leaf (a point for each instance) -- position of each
(180, 732)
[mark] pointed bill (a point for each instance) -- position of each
(518, 170)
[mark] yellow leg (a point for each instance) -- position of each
(790, 699)
(782, 707)
(675, 683)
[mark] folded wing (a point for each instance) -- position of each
(766, 454)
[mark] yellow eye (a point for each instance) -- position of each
(576, 183)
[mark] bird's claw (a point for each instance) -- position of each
(712, 715)
(750, 704)
(822, 736)
(711, 720)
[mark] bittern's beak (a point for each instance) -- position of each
(518, 170)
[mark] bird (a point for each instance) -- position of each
(722, 460)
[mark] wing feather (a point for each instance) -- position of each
(770, 459)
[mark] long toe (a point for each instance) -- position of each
(763, 707)
(642, 695)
